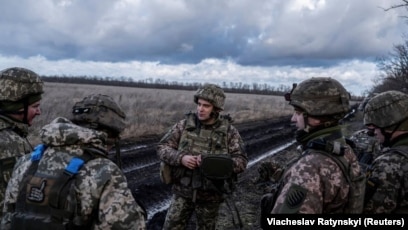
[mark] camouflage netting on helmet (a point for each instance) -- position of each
(212, 93)
(99, 111)
(321, 96)
(18, 83)
(386, 109)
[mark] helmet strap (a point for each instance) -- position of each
(306, 123)
(387, 137)
(117, 152)
(25, 111)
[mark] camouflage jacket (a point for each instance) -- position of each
(168, 151)
(13, 145)
(320, 180)
(389, 173)
(101, 189)
(367, 146)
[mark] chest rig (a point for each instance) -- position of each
(201, 139)
(198, 139)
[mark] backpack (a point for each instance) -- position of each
(355, 203)
(47, 207)
(373, 183)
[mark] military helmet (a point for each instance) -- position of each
(212, 93)
(386, 109)
(18, 83)
(320, 96)
(99, 111)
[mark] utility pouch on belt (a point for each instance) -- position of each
(217, 167)
(165, 173)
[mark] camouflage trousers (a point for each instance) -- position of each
(181, 210)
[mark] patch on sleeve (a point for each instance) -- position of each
(294, 199)
(36, 194)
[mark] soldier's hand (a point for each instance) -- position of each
(189, 161)
(198, 160)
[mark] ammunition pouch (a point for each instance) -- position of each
(169, 174)
(217, 167)
(165, 173)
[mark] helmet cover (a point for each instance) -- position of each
(386, 109)
(99, 111)
(320, 96)
(18, 83)
(212, 93)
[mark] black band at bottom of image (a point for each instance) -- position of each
(280, 221)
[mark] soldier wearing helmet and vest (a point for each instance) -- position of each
(319, 182)
(387, 185)
(205, 153)
(20, 96)
(68, 182)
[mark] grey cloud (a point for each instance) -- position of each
(272, 41)
(250, 32)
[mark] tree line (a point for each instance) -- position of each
(231, 87)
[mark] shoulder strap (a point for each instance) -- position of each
(340, 161)
(61, 188)
(401, 151)
(35, 157)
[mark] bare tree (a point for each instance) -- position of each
(403, 4)
(395, 70)
(394, 67)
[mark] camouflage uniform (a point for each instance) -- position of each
(387, 187)
(315, 183)
(17, 85)
(367, 146)
(189, 193)
(13, 144)
(327, 188)
(101, 194)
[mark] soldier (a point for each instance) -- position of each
(319, 181)
(20, 96)
(364, 142)
(203, 141)
(387, 185)
(367, 147)
(68, 182)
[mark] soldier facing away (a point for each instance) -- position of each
(387, 185)
(317, 181)
(20, 96)
(191, 147)
(367, 147)
(68, 182)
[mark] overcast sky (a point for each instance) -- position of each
(277, 42)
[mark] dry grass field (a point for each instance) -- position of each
(153, 111)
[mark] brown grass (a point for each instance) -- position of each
(153, 111)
